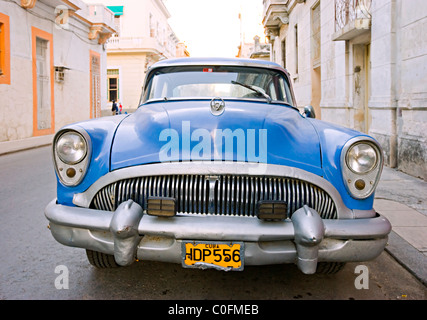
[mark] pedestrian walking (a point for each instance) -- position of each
(114, 108)
(120, 107)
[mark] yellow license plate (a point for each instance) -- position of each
(217, 255)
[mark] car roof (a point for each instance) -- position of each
(217, 62)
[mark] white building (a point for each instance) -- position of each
(361, 64)
(255, 50)
(52, 65)
(143, 37)
(181, 50)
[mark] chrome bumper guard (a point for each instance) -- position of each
(305, 239)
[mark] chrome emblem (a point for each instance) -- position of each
(217, 106)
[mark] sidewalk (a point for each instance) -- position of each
(402, 199)
(24, 144)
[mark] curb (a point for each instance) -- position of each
(25, 144)
(409, 257)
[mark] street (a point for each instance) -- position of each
(34, 266)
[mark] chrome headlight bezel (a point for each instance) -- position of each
(76, 143)
(71, 171)
(361, 182)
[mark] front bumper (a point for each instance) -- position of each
(305, 239)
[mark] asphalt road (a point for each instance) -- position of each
(34, 266)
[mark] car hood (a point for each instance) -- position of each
(245, 131)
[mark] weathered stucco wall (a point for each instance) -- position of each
(71, 49)
(399, 83)
(374, 81)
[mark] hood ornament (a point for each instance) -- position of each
(217, 106)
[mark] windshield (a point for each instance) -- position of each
(218, 81)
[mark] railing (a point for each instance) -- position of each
(131, 43)
(351, 10)
(139, 43)
(100, 14)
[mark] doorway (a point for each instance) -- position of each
(316, 80)
(361, 87)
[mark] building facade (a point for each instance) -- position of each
(361, 64)
(255, 50)
(181, 50)
(52, 65)
(143, 37)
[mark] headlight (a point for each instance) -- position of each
(71, 147)
(361, 158)
(71, 153)
(361, 164)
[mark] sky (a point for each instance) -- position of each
(211, 28)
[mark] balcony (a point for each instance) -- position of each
(352, 18)
(275, 14)
(139, 44)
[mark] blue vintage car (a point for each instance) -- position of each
(217, 168)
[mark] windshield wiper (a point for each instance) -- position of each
(257, 90)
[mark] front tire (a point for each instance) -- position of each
(329, 267)
(101, 260)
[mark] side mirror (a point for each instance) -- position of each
(309, 112)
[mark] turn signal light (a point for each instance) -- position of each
(272, 210)
(161, 207)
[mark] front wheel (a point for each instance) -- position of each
(101, 260)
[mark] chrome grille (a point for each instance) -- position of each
(217, 195)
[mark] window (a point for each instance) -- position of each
(1, 48)
(231, 82)
(117, 12)
(284, 53)
(4, 49)
(43, 84)
(151, 27)
(117, 26)
(95, 87)
(113, 84)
